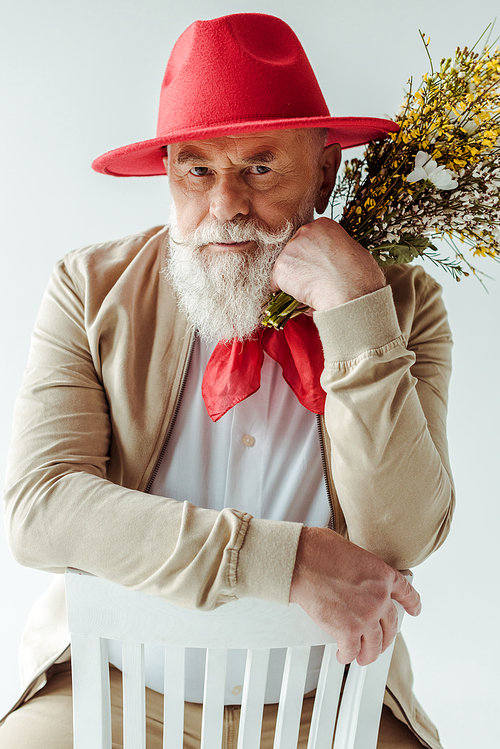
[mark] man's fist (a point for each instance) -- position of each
(349, 593)
(322, 266)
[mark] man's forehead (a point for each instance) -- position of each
(264, 146)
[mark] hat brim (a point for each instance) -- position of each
(145, 159)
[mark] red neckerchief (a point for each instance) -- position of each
(233, 370)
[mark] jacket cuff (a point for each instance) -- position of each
(366, 323)
(266, 560)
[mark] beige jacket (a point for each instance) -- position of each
(108, 357)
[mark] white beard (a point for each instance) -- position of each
(224, 293)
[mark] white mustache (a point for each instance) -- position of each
(238, 230)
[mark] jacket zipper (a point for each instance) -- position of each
(22, 699)
(325, 471)
(174, 416)
(398, 703)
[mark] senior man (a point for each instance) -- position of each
(163, 440)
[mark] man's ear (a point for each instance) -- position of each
(165, 161)
(330, 162)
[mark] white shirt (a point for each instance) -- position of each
(263, 457)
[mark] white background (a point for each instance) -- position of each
(80, 78)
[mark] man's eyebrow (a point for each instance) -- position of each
(184, 157)
(263, 157)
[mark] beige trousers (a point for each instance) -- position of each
(45, 721)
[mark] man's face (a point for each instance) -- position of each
(236, 202)
(264, 176)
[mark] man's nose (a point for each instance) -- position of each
(229, 198)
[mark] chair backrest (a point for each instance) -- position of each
(99, 610)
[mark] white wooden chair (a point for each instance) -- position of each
(99, 610)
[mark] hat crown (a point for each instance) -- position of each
(266, 38)
(239, 68)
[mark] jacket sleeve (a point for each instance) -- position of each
(62, 511)
(387, 366)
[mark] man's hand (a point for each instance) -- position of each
(322, 266)
(348, 592)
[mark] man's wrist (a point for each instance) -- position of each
(306, 560)
(331, 298)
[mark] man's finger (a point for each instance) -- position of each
(348, 650)
(274, 286)
(406, 595)
(389, 625)
(371, 647)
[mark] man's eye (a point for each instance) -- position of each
(259, 169)
(199, 171)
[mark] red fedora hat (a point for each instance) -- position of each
(241, 73)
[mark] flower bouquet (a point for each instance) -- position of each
(438, 178)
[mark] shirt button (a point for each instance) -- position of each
(248, 440)
(236, 690)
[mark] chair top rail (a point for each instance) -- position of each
(105, 609)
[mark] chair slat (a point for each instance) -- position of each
(326, 700)
(252, 699)
(345, 735)
(134, 696)
(91, 698)
(291, 698)
(370, 708)
(213, 699)
(173, 703)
